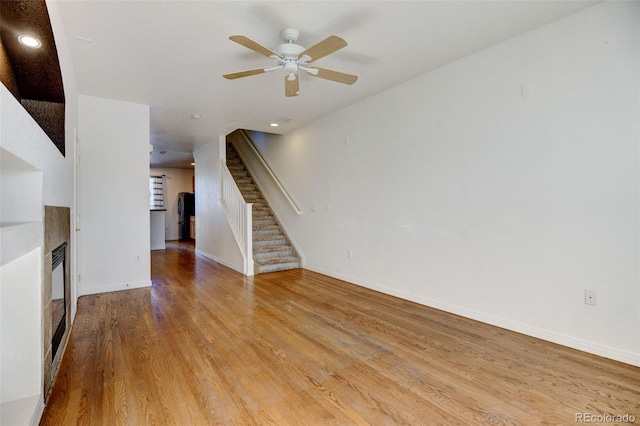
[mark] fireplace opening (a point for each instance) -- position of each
(58, 296)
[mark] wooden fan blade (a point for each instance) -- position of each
(340, 77)
(253, 45)
(244, 73)
(291, 87)
(325, 47)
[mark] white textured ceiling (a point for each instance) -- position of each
(171, 55)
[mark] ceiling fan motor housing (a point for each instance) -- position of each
(289, 50)
(289, 53)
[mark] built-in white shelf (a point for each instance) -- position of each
(18, 239)
(21, 228)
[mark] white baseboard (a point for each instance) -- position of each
(37, 415)
(88, 289)
(605, 351)
(24, 411)
(237, 268)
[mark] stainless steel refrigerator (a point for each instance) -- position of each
(186, 209)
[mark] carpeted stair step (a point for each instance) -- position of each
(273, 265)
(269, 240)
(243, 180)
(240, 176)
(238, 170)
(233, 159)
(252, 192)
(261, 221)
(260, 212)
(272, 252)
(252, 197)
(268, 230)
(247, 187)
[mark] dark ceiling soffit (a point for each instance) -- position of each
(33, 75)
(36, 71)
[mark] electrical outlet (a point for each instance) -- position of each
(349, 253)
(137, 258)
(590, 297)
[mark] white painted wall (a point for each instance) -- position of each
(177, 180)
(214, 237)
(21, 317)
(113, 196)
(460, 191)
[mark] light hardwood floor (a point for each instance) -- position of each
(206, 345)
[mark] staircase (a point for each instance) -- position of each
(272, 250)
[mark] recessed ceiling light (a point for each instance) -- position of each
(196, 116)
(274, 124)
(29, 41)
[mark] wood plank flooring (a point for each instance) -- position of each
(208, 346)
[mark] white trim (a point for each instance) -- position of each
(605, 351)
(39, 411)
(239, 215)
(237, 268)
(23, 410)
(88, 289)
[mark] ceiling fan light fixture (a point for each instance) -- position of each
(291, 67)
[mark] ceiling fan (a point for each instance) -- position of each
(292, 58)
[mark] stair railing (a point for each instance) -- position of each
(270, 172)
(239, 215)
